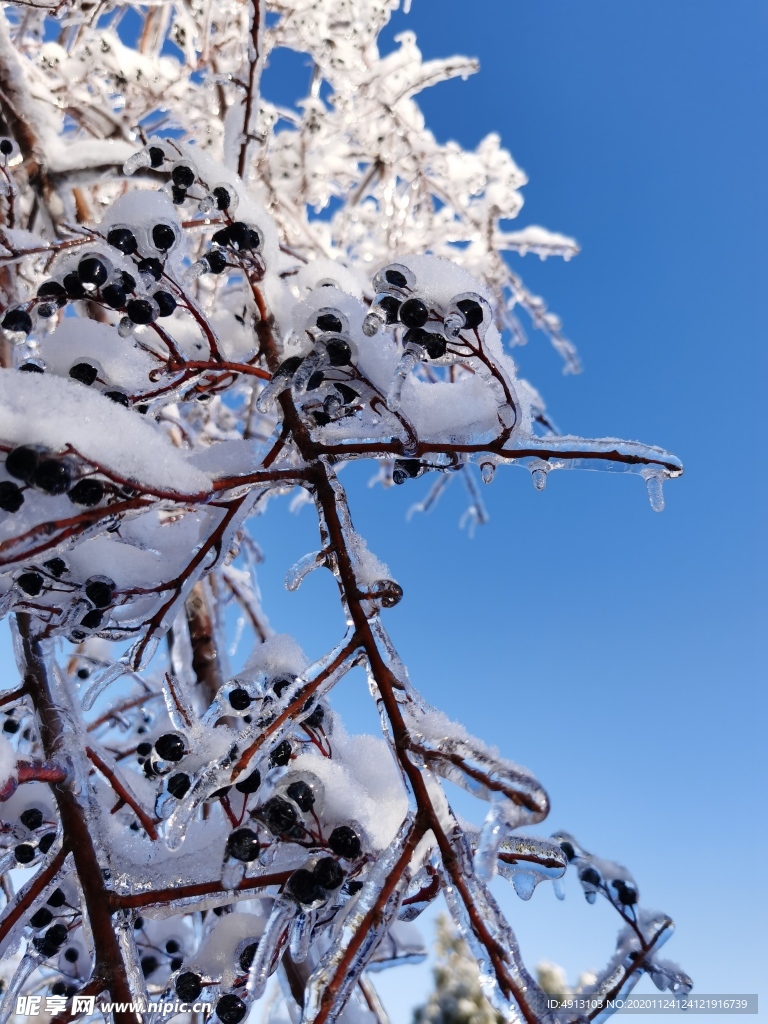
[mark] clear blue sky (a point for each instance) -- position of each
(612, 650)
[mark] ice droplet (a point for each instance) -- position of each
(524, 883)
(487, 472)
(539, 470)
(654, 482)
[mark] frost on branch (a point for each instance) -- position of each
(210, 302)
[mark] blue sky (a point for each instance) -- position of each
(612, 650)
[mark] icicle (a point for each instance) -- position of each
(307, 368)
(281, 379)
(493, 832)
(373, 322)
(654, 480)
(137, 161)
(300, 569)
(272, 939)
(26, 966)
(410, 357)
(301, 935)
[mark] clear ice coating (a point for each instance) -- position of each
(197, 331)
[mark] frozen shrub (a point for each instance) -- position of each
(188, 331)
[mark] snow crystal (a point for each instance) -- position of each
(7, 761)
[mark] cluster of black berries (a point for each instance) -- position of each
(95, 595)
(159, 759)
(428, 328)
(230, 1008)
(49, 942)
(183, 178)
(52, 474)
(231, 242)
(96, 278)
(152, 957)
(36, 835)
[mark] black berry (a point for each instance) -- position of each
(46, 842)
(141, 311)
(87, 492)
(123, 239)
(249, 784)
(178, 195)
(329, 322)
(390, 306)
(54, 476)
(10, 726)
(113, 295)
(31, 368)
(53, 290)
(178, 785)
(22, 462)
(144, 748)
(590, 876)
(281, 755)
(156, 156)
(473, 313)
(92, 619)
(52, 941)
(119, 397)
(435, 344)
(99, 591)
(170, 747)
(345, 842)
(405, 469)
(239, 698)
(315, 380)
(172, 946)
(279, 815)
(216, 261)
(149, 965)
(11, 498)
(568, 849)
(72, 955)
(41, 918)
(91, 270)
(246, 957)
(413, 313)
(231, 1009)
(304, 887)
(17, 320)
(163, 236)
(315, 720)
(188, 986)
(395, 278)
(73, 286)
(183, 176)
(339, 352)
(30, 582)
(222, 197)
(176, 963)
(32, 818)
(128, 281)
(165, 302)
(57, 898)
(281, 684)
(151, 266)
(56, 566)
(6, 147)
(243, 844)
(86, 373)
(24, 853)
(328, 873)
(301, 795)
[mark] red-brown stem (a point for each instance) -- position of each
(18, 909)
(184, 892)
(109, 959)
(123, 792)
